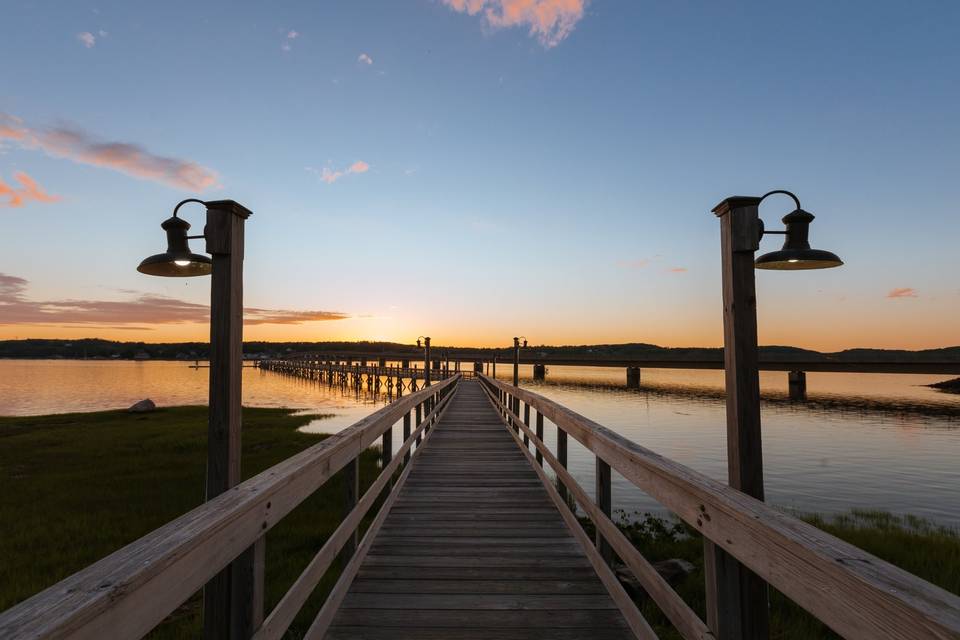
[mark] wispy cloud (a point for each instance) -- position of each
(131, 159)
(902, 292)
(291, 36)
(365, 59)
(330, 176)
(549, 21)
(28, 190)
(87, 39)
(141, 309)
(677, 269)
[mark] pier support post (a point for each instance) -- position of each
(478, 367)
(633, 377)
(797, 381)
(539, 372)
(737, 599)
(233, 599)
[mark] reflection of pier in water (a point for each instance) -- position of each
(713, 395)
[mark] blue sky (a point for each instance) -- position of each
(512, 185)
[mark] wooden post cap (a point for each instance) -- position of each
(232, 206)
(735, 202)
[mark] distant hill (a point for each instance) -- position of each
(108, 349)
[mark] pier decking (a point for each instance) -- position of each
(474, 548)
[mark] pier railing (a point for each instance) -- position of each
(854, 593)
(129, 592)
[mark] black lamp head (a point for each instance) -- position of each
(524, 344)
(419, 344)
(177, 261)
(796, 252)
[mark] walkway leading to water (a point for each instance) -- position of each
(474, 548)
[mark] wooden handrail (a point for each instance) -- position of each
(853, 592)
(132, 590)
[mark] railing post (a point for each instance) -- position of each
(562, 458)
(419, 420)
(386, 448)
(351, 480)
(526, 422)
(540, 437)
(605, 502)
(406, 435)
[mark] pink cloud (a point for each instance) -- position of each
(330, 175)
(124, 157)
(29, 190)
(142, 308)
(365, 59)
(87, 39)
(677, 270)
(550, 21)
(902, 292)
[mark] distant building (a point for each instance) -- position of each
(141, 355)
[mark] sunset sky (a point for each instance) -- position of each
(478, 169)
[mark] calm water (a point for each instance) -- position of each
(863, 441)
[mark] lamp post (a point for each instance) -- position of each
(233, 599)
(516, 370)
(425, 341)
(737, 605)
(516, 358)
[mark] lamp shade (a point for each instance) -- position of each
(177, 261)
(796, 252)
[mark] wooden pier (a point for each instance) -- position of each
(475, 548)
(471, 539)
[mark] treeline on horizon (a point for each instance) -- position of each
(108, 349)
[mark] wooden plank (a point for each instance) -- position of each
(489, 619)
(515, 575)
(856, 594)
(521, 587)
(482, 633)
(480, 601)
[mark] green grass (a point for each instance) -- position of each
(77, 487)
(916, 545)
